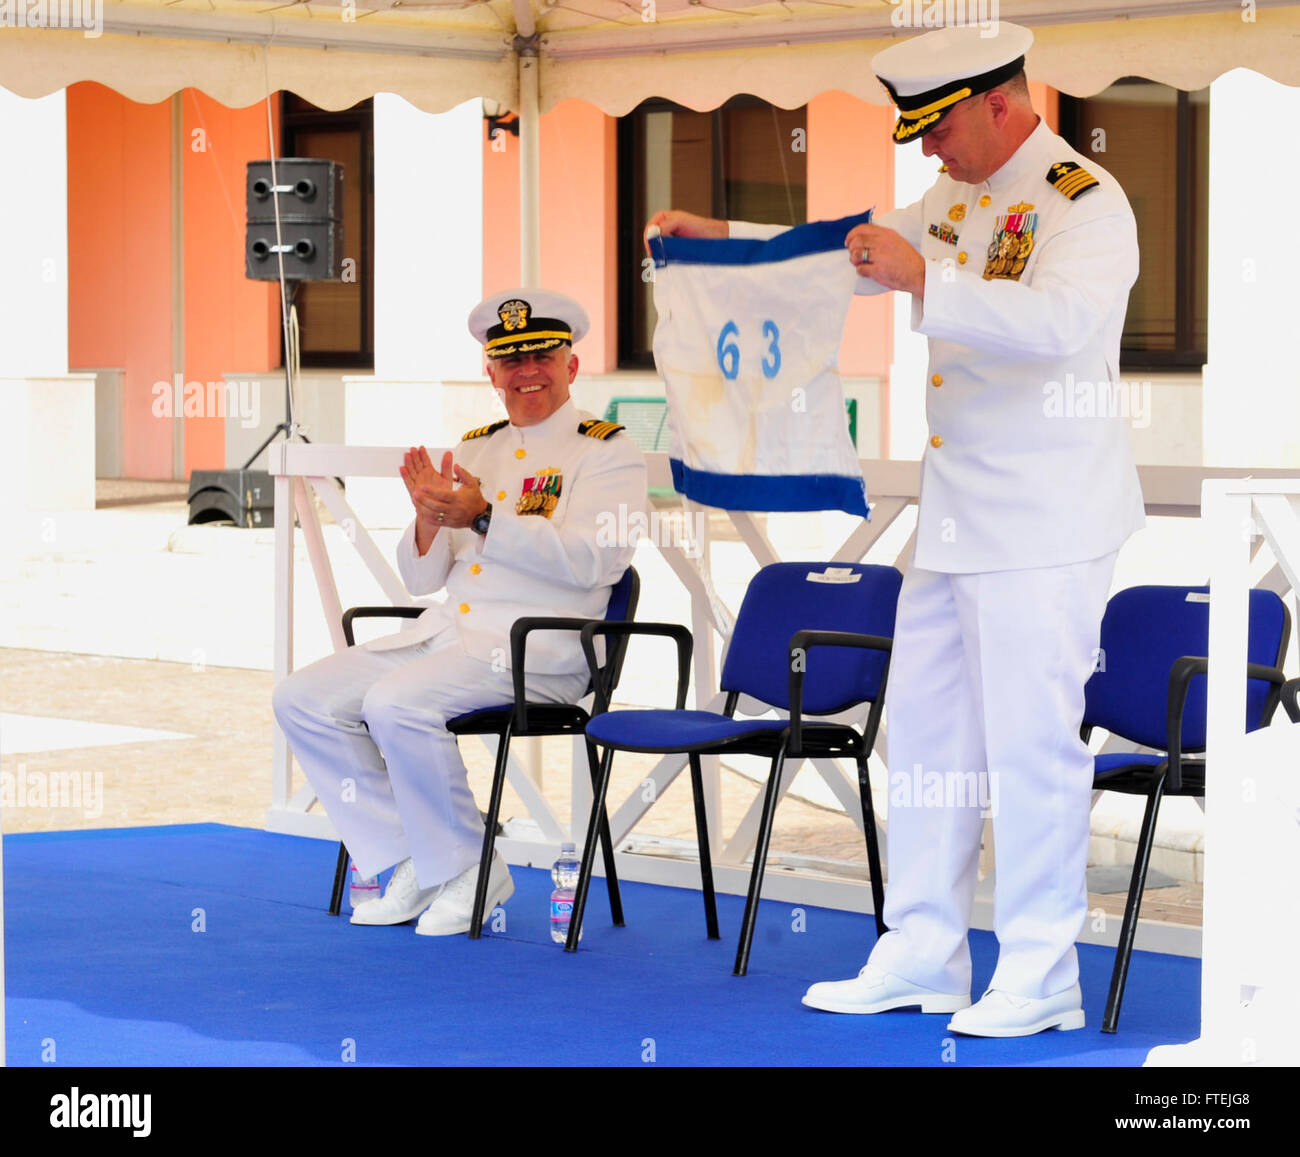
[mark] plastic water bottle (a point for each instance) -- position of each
(565, 874)
(361, 888)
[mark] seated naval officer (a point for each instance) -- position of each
(510, 524)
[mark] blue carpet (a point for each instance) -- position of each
(105, 967)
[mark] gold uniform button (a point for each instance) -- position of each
(464, 608)
(937, 380)
(501, 495)
(984, 201)
(521, 452)
(475, 569)
(935, 441)
(961, 257)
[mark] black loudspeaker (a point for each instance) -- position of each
(244, 497)
(310, 198)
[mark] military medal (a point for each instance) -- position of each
(957, 212)
(944, 232)
(1013, 241)
(541, 493)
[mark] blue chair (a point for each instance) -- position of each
(790, 610)
(521, 719)
(1148, 689)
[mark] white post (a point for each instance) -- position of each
(282, 653)
(34, 237)
(47, 437)
(530, 214)
(428, 276)
(1251, 386)
(428, 242)
(914, 173)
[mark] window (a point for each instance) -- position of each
(336, 318)
(736, 162)
(1155, 141)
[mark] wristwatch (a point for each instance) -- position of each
(482, 521)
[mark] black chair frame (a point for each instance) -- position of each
(799, 739)
(1176, 775)
(523, 720)
(1291, 699)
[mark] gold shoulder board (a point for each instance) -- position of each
(1071, 180)
(483, 431)
(596, 429)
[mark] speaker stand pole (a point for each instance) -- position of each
(289, 428)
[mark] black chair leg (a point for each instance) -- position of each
(873, 845)
(607, 846)
(1128, 930)
(760, 864)
(706, 857)
(340, 880)
(490, 835)
(599, 791)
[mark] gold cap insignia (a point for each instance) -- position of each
(514, 314)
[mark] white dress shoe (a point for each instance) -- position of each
(453, 906)
(1005, 1014)
(874, 990)
(402, 900)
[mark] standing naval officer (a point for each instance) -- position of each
(514, 523)
(1019, 261)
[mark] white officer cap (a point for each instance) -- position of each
(520, 321)
(927, 75)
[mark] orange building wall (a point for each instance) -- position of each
(1047, 103)
(119, 263)
(578, 213)
(231, 323)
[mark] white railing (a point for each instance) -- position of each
(301, 469)
(1250, 995)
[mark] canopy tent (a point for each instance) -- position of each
(612, 53)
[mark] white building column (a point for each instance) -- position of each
(428, 206)
(914, 173)
(1251, 407)
(47, 435)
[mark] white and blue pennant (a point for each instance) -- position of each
(747, 347)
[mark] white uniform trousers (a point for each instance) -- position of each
(368, 728)
(987, 676)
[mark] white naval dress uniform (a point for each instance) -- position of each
(367, 724)
(1028, 490)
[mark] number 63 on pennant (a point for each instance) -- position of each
(729, 350)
